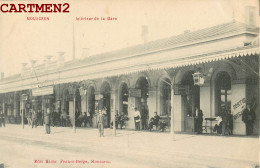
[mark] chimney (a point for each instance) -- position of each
(186, 31)
(250, 15)
(48, 61)
(33, 62)
(85, 52)
(145, 33)
(2, 75)
(61, 59)
(24, 66)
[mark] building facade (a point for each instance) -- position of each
(214, 69)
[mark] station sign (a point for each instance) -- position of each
(42, 91)
(181, 90)
(134, 92)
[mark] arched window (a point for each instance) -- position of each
(222, 92)
(191, 100)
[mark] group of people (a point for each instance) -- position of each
(224, 120)
(50, 118)
(34, 118)
(120, 120)
(224, 124)
(154, 121)
(64, 119)
(141, 118)
(84, 120)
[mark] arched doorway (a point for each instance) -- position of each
(123, 99)
(165, 97)
(143, 85)
(222, 93)
(105, 102)
(141, 102)
(190, 101)
(192, 98)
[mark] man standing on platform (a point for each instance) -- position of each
(137, 118)
(89, 118)
(34, 118)
(47, 121)
(29, 117)
(248, 117)
(200, 121)
(156, 119)
(100, 123)
(63, 118)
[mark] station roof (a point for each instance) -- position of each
(184, 39)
